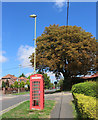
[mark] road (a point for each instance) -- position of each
(7, 101)
(63, 99)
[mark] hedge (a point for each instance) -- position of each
(86, 106)
(86, 88)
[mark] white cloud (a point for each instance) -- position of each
(27, 75)
(24, 53)
(2, 57)
(60, 4)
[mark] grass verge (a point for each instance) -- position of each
(22, 111)
(21, 93)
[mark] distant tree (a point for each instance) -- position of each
(22, 75)
(22, 84)
(16, 84)
(46, 79)
(69, 50)
(3, 84)
(60, 83)
(29, 76)
(11, 86)
(7, 84)
(51, 85)
(55, 82)
(28, 83)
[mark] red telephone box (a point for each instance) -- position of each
(37, 92)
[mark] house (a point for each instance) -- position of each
(95, 75)
(76, 80)
(22, 79)
(10, 78)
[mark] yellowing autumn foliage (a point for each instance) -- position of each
(68, 50)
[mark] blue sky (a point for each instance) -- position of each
(18, 28)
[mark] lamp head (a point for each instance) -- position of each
(33, 16)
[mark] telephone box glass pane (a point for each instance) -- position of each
(36, 92)
(36, 82)
(36, 88)
(35, 98)
(36, 85)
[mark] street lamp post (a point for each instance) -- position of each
(34, 16)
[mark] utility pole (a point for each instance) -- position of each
(18, 79)
(19, 68)
(67, 11)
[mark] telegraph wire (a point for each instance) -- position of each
(18, 67)
(11, 68)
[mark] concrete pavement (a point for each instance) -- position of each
(63, 108)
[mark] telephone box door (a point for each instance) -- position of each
(36, 91)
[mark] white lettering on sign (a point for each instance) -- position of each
(36, 77)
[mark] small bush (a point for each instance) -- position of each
(86, 106)
(86, 88)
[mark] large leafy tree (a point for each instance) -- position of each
(69, 50)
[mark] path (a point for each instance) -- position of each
(63, 108)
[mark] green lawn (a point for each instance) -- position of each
(21, 93)
(23, 111)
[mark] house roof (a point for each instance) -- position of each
(23, 78)
(95, 74)
(92, 76)
(9, 76)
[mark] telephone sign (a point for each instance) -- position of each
(36, 92)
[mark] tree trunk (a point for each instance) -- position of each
(18, 90)
(67, 81)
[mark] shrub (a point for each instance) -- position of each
(11, 86)
(86, 106)
(22, 84)
(3, 84)
(16, 84)
(86, 88)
